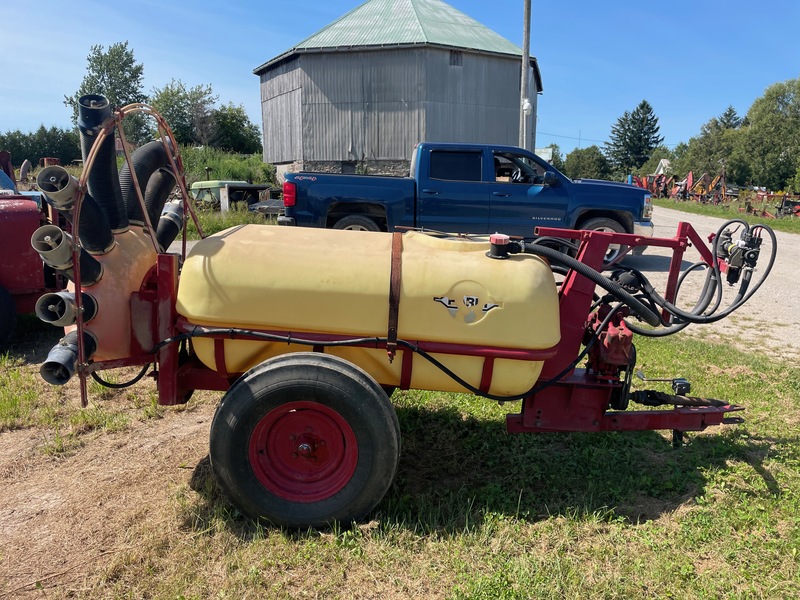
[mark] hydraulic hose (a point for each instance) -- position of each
(103, 180)
(744, 293)
(642, 311)
(288, 339)
(704, 312)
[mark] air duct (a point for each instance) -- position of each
(61, 310)
(55, 247)
(62, 360)
(146, 160)
(60, 189)
(170, 224)
(159, 187)
(103, 180)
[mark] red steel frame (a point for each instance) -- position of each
(579, 401)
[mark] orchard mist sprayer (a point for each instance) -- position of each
(308, 331)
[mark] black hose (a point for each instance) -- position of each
(119, 386)
(744, 293)
(288, 339)
(642, 311)
(103, 180)
(146, 160)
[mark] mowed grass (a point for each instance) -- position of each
(788, 224)
(478, 513)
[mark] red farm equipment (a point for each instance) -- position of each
(308, 331)
(23, 277)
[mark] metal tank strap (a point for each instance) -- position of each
(394, 293)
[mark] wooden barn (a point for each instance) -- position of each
(358, 94)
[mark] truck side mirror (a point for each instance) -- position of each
(550, 178)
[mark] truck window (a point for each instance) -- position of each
(517, 168)
(455, 166)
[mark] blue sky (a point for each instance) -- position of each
(690, 59)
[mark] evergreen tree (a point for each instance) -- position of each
(557, 161)
(729, 119)
(633, 138)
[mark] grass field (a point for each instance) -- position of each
(731, 211)
(478, 513)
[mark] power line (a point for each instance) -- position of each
(571, 137)
(583, 139)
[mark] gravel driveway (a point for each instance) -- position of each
(769, 322)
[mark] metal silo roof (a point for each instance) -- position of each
(381, 23)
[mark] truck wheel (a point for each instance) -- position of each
(357, 223)
(304, 440)
(610, 225)
(8, 318)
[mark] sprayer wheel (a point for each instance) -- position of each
(305, 440)
(8, 317)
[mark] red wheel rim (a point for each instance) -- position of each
(303, 451)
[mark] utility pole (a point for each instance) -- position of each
(525, 106)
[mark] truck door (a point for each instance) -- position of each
(520, 199)
(451, 195)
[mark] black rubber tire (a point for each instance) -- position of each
(8, 318)
(311, 381)
(357, 223)
(606, 224)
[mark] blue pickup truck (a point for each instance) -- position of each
(466, 188)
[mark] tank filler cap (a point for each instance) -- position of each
(499, 246)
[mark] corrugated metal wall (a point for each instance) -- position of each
(281, 113)
(475, 102)
(362, 105)
(375, 105)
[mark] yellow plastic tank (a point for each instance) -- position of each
(337, 282)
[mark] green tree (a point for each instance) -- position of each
(188, 111)
(234, 131)
(715, 149)
(662, 152)
(633, 138)
(557, 161)
(729, 119)
(587, 163)
(115, 74)
(57, 142)
(770, 140)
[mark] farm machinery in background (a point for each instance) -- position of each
(23, 276)
(705, 189)
(308, 331)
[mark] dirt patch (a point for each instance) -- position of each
(61, 519)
